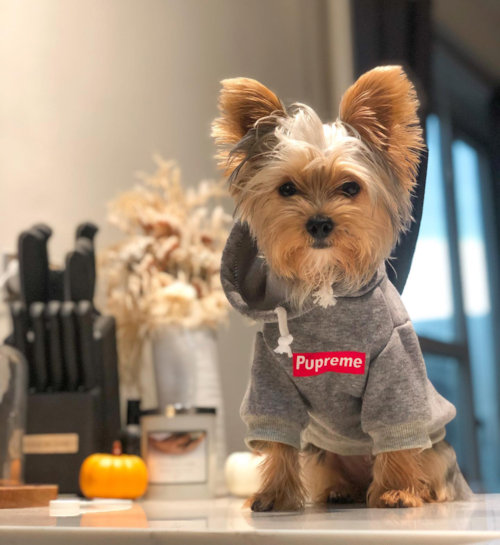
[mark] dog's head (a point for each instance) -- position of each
(326, 203)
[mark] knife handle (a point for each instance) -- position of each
(20, 326)
(107, 367)
(84, 320)
(56, 285)
(85, 246)
(77, 276)
(56, 369)
(88, 231)
(37, 317)
(33, 266)
(44, 229)
(69, 345)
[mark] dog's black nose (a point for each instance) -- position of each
(319, 227)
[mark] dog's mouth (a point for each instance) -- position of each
(321, 244)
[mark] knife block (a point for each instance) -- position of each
(63, 428)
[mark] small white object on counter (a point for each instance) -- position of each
(242, 473)
(73, 507)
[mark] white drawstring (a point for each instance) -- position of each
(285, 339)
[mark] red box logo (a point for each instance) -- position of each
(310, 364)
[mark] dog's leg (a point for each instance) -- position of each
(399, 480)
(446, 480)
(281, 488)
(331, 478)
(410, 478)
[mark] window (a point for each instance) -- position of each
(428, 294)
(450, 293)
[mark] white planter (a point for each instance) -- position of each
(186, 367)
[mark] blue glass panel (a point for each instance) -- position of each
(428, 292)
(476, 293)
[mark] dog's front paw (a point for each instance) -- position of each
(261, 502)
(341, 498)
(264, 502)
(341, 495)
(262, 506)
(399, 498)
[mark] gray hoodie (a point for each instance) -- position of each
(353, 380)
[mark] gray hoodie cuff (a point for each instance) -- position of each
(401, 437)
(267, 428)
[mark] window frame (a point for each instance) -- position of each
(461, 99)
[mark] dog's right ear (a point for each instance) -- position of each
(243, 102)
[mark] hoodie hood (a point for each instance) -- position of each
(255, 291)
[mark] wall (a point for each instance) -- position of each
(90, 89)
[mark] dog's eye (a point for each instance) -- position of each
(288, 189)
(350, 189)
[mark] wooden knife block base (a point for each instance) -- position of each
(18, 497)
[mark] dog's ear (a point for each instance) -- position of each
(382, 107)
(242, 103)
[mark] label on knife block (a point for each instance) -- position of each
(51, 443)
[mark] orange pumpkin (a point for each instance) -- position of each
(114, 475)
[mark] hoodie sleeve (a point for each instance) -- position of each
(272, 409)
(396, 411)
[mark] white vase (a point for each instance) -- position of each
(186, 365)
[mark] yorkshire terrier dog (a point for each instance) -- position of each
(342, 407)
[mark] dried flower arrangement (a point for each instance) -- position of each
(166, 272)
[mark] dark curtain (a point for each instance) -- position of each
(494, 152)
(398, 32)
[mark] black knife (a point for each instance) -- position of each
(84, 246)
(88, 231)
(20, 326)
(85, 345)
(55, 277)
(44, 229)
(107, 372)
(78, 274)
(56, 285)
(37, 318)
(54, 336)
(33, 266)
(69, 345)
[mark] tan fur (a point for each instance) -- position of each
(281, 485)
(242, 103)
(362, 238)
(382, 156)
(410, 478)
(399, 477)
(382, 107)
(331, 478)
(446, 480)
(406, 478)
(377, 143)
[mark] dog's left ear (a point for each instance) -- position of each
(382, 107)
(243, 102)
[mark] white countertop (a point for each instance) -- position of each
(223, 521)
